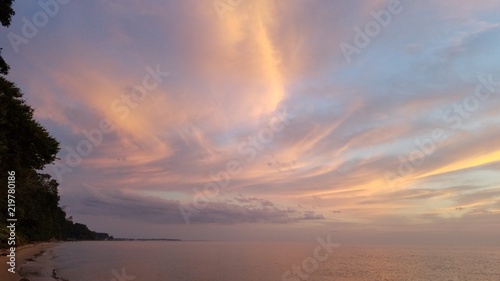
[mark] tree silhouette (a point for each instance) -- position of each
(25, 148)
(6, 13)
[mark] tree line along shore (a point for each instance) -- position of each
(29, 199)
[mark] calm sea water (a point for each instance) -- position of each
(232, 261)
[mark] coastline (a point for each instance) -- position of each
(23, 254)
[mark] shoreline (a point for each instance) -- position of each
(24, 254)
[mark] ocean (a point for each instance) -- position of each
(238, 261)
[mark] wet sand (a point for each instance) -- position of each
(23, 254)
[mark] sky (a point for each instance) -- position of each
(373, 121)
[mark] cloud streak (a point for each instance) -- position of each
(353, 122)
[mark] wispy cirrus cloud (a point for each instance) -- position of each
(353, 122)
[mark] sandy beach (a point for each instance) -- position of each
(22, 255)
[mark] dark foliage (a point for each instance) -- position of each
(26, 147)
(6, 12)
